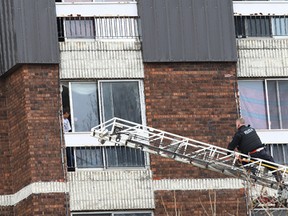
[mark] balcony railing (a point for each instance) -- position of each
(104, 157)
(261, 26)
(98, 28)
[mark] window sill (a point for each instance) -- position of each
(273, 136)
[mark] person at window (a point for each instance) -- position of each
(248, 142)
(69, 150)
(66, 122)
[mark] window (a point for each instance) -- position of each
(97, 28)
(280, 26)
(90, 102)
(252, 26)
(264, 103)
(106, 157)
(279, 152)
(113, 214)
(80, 27)
(78, 0)
(99, 0)
(112, 98)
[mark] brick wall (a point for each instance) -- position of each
(42, 204)
(30, 137)
(198, 203)
(195, 100)
(5, 180)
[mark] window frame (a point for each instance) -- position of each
(270, 149)
(67, 19)
(100, 98)
(130, 23)
(277, 26)
(112, 213)
(265, 83)
(140, 85)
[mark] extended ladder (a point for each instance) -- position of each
(186, 150)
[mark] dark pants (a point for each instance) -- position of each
(265, 156)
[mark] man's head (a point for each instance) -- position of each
(239, 122)
(66, 113)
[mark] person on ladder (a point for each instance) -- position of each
(248, 142)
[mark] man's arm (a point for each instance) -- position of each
(235, 142)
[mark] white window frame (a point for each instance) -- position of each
(82, 139)
(113, 213)
(267, 99)
(141, 98)
(269, 145)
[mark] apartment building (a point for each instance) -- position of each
(171, 64)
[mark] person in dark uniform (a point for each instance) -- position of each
(248, 142)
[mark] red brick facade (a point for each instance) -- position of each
(43, 204)
(198, 203)
(195, 100)
(30, 145)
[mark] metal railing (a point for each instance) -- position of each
(261, 26)
(97, 28)
(104, 157)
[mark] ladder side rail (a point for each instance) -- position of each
(151, 132)
(141, 134)
(116, 120)
(225, 169)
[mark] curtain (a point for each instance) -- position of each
(252, 103)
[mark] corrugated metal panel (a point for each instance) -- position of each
(109, 190)
(7, 40)
(28, 33)
(187, 30)
(84, 60)
(262, 58)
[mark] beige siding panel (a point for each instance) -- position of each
(96, 59)
(111, 190)
(198, 184)
(130, 189)
(262, 58)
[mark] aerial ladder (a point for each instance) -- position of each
(200, 154)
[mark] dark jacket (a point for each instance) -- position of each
(245, 140)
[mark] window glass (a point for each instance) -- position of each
(80, 27)
(279, 152)
(89, 157)
(112, 214)
(278, 103)
(135, 214)
(65, 95)
(258, 26)
(92, 214)
(122, 156)
(273, 104)
(252, 103)
(121, 99)
(239, 22)
(280, 26)
(78, 0)
(283, 95)
(85, 106)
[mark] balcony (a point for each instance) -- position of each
(97, 20)
(261, 19)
